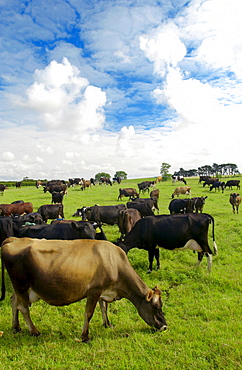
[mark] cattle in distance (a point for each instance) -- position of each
(180, 231)
(63, 272)
(218, 185)
(2, 188)
(235, 200)
(127, 192)
(231, 183)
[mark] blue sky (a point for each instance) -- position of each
(106, 86)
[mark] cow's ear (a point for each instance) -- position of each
(156, 290)
(149, 295)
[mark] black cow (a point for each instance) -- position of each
(117, 179)
(55, 188)
(189, 231)
(6, 228)
(105, 180)
(64, 231)
(218, 185)
(100, 214)
(127, 192)
(231, 183)
(100, 234)
(209, 181)
(57, 197)
(203, 178)
(74, 181)
(180, 206)
(145, 185)
(152, 201)
(144, 208)
(51, 211)
(198, 203)
(2, 188)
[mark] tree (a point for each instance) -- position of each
(101, 174)
(121, 174)
(164, 171)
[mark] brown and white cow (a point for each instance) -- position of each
(235, 200)
(91, 269)
(184, 190)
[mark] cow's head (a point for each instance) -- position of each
(151, 310)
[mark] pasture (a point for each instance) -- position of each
(203, 311)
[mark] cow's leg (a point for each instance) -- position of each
(209, 257)
(157, 257)
(104, 309)
(15, 314)
(90, 307)
(21, 304)
(151, 254)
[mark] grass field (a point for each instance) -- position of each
(203, 311)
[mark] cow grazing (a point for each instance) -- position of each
(105, 180)
(144, 208)
(85, 184)
(117, 179)
(203, 178)
(2, 188)
(18, 184)
(153, 202)
(63, 272)
(57, 197)
(188, 231)
(99, 233)
(127, 192)
(180, 178)
(51, 211)
(198, 203)
(217, 185)
(231, 183)
(145, 185)
(184, 190)
(59, 188)
(155, 193)
(209, 181)
(64, 231)
(235, 200)
(100, 214)
(180, 206)
(159, 179)
(16, 209)
(74, 181)
(127, 218)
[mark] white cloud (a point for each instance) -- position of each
(64, 99)
(163, 48)
(7, 156)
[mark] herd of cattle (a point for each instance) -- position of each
(83, 263)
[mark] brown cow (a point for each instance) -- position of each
(155, 193)
(127, 218)
(16, 209)
(235, 200)
(85, 184)
(66, 271)
(186, 190)
(128, 192)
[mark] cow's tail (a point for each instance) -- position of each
(215, 248)
(3, 284)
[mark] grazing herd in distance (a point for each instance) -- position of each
(186, 227)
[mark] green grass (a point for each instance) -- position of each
(203, 311)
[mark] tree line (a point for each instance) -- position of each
(216, 170)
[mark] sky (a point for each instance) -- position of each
(118, 85)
